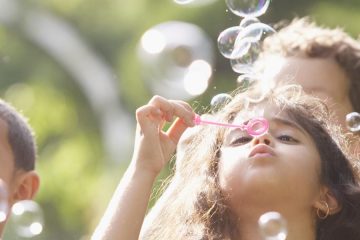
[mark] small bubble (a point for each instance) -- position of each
(219, 100)
(353, 122)
(272, 226)
(245, 81)
(248, 8)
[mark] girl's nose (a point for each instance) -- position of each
(263, 139)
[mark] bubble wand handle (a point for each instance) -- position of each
(255, 127)
(199, 121)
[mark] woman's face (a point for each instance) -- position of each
(279, 168)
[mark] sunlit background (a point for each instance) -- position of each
(78, 69)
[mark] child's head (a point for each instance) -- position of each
(17, 155)
(324, 61)
(297, 166)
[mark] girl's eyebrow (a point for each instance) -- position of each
(289, 123)
(279, 120)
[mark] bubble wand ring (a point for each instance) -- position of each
(255, 127)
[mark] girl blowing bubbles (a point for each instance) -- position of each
(226, 179)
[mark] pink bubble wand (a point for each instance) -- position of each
(255, 127)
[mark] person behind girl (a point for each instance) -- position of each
(226, 179)
(325, 61)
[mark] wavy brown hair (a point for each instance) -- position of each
(194, 206)
(303, 37)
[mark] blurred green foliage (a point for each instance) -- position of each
(77, 177)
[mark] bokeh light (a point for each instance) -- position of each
(27, 218)
(175, 65)
(4, 206)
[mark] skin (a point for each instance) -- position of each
(125, 214)
(322, 77)
(286, 181)
(153, 149)
(19, 184)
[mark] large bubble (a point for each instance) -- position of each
(248, 21)
(176, 59)
(253, 33)
(226, 40)
(244, 63)
(248, 8)
(194, 3)
(183, 1)
(247, 47)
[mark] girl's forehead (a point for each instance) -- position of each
(264, 110)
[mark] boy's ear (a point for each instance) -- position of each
(327, 202)
(27, 186)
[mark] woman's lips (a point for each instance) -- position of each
(262, 150)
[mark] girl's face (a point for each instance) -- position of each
(279, 168)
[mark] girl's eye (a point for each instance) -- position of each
(241, 140)
(287, 138)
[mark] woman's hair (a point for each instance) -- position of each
(195, 208)
(302, 37)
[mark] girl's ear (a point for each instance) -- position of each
(326, 202)
(27, 186)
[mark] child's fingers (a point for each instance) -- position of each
(176, 130)
(149, 118)
(171, 108)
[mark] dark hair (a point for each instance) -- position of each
(20, 137)
(339, 173)
(303, 37)
(195, 208)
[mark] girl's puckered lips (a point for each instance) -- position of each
(261, 149)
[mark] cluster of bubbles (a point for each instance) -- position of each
(25, 217)
(242, 44)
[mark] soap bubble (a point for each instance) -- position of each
(226, 40)
(248, 21)
(183, 1)
(219, 100)
(245, 62)
(170, 58)
(255, 32)
(244, 81)
(248, 8)
(27, 218)
(4, 206)
(353, 122)
(194, 3)
(272, 226)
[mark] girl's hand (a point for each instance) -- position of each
(154, 147)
